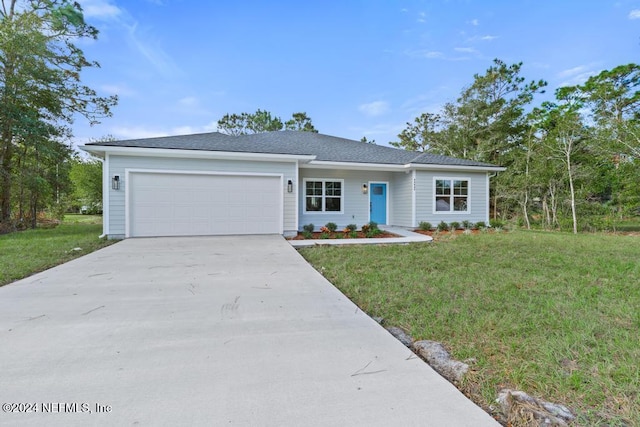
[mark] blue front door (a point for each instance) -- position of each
(378, 203)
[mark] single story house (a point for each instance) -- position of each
(276, 182)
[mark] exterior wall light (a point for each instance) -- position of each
(365, 189)
(115, 182)
(289, 186)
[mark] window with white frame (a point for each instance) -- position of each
(323, 195)
(451, 195)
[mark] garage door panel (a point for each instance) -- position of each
(167, 204)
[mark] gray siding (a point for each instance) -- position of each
(425, 198)
(119, 164)
(356, 205)
(401, 199)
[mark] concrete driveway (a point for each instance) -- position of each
(207, 331)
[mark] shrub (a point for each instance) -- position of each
(331, 226)
(454, 225)
(353, 234)
(324, 230)
(351, 227)
(308, 228)
(365, 228)
(307, 234)
(467, 225)
(324, 235)
(496, 223)
(425, 226)
(481, 224)
(373, 225)
(373, 232)
(443, 226)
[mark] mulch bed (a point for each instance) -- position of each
(444, 233)
(361, 235)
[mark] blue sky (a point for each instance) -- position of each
(358, 68)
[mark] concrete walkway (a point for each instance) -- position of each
(207, 331)
(406, 236)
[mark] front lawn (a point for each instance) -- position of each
(24, 253)
(553, 314)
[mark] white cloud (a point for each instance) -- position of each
(140, 40)
(189, 101)
(184, 130)
(136, 132)
(475, 22)
(465, 50)
(634, 14)
(430, 54)
(101, 9)
(373, 109)
(578, 75)
(380, 129)
(117, 89)
(421, 17)
(572, 71)
(427, 102)
(577, 79)
(486, 38)
(434, 54)
(151, 50)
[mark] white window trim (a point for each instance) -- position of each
(324, 180)
(451, 212)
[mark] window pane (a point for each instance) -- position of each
(460, 204)
(333, 188)
(460, 188)
(443, 186)
(332, 204)
(442, 204)
(314, 188)
(314, 203)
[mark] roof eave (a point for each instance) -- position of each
(102, 150)
(437, 167)
(323, 164)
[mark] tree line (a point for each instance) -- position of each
(40, 93)
(572, 162)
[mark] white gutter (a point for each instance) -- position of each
(435, 167)
(319, 164)
(102, 150)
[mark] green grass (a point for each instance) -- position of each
(24, 253)
(82, 219)
(552, 314)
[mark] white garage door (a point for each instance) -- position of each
(168, 204)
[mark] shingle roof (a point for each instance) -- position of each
(324, 147)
